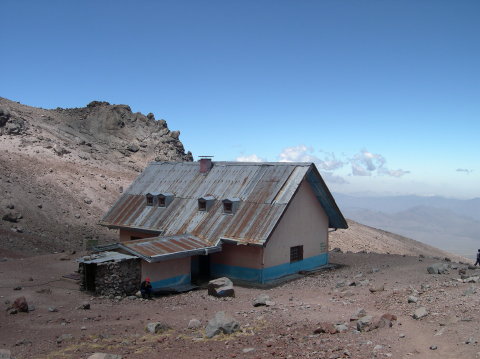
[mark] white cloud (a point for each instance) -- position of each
(249, 158)
(302, 153)
(330, 162)
(299, 153)
(366, 163)
(327, 165)
(358, 170)
(464, 170)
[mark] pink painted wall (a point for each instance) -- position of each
(239, 255)
(304, 223)
(126, 234)
(167, 269)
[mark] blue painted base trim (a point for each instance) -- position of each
(284, 269)
(267, 274)
(172, 282)
(236, 272)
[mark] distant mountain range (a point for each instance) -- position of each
(449, 224)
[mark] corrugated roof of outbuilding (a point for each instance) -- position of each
(161, 248)
(264, 190)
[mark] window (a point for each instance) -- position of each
(149, 200)
(227, 207)
(231, 205)
(296, 254)
(161, 201)
(205, 203)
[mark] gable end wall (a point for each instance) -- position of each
(304, 223)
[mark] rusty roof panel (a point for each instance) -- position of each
(264, 190)
(165, 246)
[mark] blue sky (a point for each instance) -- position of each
(383, 95)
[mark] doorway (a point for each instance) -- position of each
(200, 269)
(89, 276)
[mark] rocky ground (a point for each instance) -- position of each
(290, 327)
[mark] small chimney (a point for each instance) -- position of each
(205, 163)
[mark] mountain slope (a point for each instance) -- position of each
(61, 169)
(359, 237)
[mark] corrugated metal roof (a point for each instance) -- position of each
(105, 257)
(161, 248)
(264, 190)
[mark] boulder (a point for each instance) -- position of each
(20, 304)
(364, 323)
(437, 268)
(157, 327)
(60, 151)
(390, 317)
(358, 314)
(385, 321)
(64, 338)
(4, 116)
(341, 328)
(84, 306)
(221, 287)
(15, 126)
(412, 299)
(420, 313)
(221, 323)
(133, 148)
(104, 356)
(194, 324)
(11, 217)
(377, 288)
(175, 134)
(469, 291)
(261, 299)
(325, 327)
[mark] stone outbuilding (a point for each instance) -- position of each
(110, 273)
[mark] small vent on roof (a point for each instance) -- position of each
(230, 205)
(164, 199)
(205, 203)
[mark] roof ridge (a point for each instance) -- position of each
(235, 163)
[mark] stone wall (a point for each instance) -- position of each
(116, 278)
